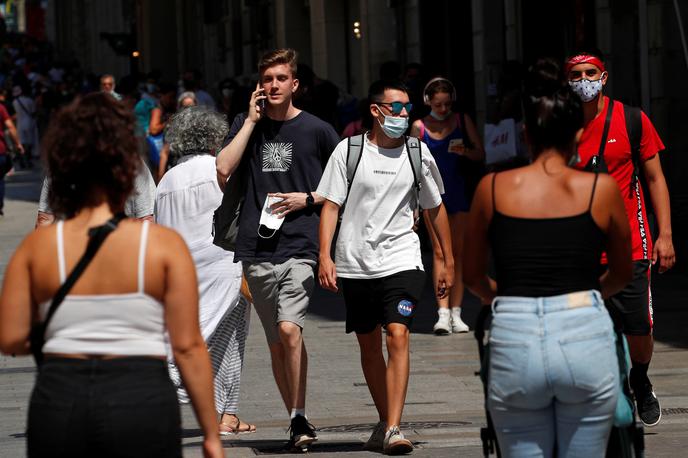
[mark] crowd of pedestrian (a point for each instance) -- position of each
(329, 190)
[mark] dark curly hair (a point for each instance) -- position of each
(91, 155)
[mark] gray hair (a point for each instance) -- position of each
(196, 130)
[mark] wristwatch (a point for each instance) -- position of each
(310, 200)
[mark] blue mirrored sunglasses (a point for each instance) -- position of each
(398, 107)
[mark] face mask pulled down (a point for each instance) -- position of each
(587, 90)
(269, 219)
(438, 116)
(394, 126)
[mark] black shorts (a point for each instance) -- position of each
(631, 308)
(392, 299)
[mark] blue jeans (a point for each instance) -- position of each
(553, 375)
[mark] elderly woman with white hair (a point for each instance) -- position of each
(186, 198)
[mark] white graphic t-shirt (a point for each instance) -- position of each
(376, 237)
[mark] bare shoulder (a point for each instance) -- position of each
(164, 236)
(607, 189)
(39, 239)
(484, 187)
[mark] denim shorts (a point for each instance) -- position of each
(553, 375)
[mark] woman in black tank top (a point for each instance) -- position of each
(547, 225)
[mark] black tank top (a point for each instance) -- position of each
(545, 256)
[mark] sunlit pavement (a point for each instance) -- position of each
(444, 408)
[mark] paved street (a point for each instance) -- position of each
(444, 409)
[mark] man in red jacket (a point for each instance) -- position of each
(606, 146)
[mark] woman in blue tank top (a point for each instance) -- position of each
(456, 146)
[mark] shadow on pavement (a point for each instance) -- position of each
(669, 295)
(330, 306)
(24, 184)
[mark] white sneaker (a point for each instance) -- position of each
(395, 443)
(443, 325)
(377, 439)
(457, 323)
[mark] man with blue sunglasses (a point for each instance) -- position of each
(377, 251)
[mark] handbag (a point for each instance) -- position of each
(623, 415)
(226, 216)
(501, 141)
(97, 236)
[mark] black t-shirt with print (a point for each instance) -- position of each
(283, 156)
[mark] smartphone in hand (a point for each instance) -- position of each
(457, 146)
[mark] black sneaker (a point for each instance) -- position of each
(649, 411)
(302, 433)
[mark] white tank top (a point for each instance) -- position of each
(106, 324)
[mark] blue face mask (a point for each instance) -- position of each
(440, 117)
(394, 126)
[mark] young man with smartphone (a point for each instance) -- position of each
(284, 150)
(378, 259)
(607, 146)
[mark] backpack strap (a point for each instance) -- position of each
(605, 132)
(634, 130)
(353, 158)
(414, 155)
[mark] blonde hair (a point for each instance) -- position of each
(285, 56)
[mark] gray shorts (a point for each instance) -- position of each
(281, 292)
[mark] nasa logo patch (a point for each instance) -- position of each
(405, 307)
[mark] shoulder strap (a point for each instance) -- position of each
(422, 129)
(60, 251)
(414, 154)
(634, 130)
(592, 193)
(30, 113)
(461, 124)
(605, 132)
(97, 236)
(494, 199)
(353, 158)
(143, 243)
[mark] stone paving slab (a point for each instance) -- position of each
(444, 410)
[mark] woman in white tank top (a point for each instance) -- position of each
(103, 389)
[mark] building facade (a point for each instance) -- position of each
(472, 42)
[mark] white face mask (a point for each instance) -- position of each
(587, 90)
(268, 218)
(226, 92)
(394, 126)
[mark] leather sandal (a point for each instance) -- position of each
(239, 427)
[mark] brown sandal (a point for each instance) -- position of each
(239, 427)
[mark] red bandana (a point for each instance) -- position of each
(583, 59)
